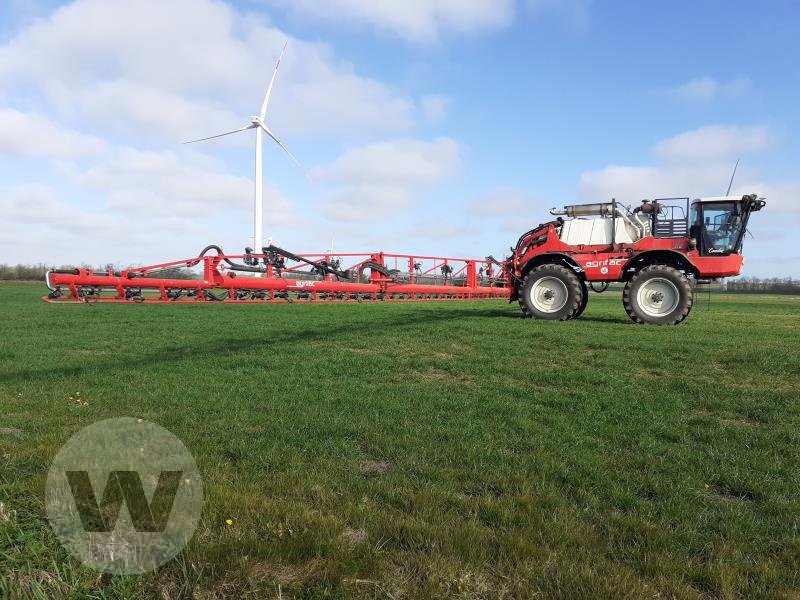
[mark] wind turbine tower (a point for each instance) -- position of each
(257, 123)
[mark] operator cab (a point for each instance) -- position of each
(718, 224)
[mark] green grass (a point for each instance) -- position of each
(425, 450)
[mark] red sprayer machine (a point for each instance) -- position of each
(658, 250)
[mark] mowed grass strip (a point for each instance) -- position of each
(424, 450)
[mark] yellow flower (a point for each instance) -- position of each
(229, 522)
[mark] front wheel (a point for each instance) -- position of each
(584, 302)
(658, 295)
(551, 292)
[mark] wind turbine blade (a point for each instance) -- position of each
(285, 149)
(211, 137)
(263, 112)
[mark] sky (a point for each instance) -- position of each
(445, 127)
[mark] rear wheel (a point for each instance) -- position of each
(551, 292)
(658, 295)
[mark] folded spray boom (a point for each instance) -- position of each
(277, 275)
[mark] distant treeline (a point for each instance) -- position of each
(36, 272)
(773, 285)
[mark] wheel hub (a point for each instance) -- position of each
(549, 295)
(658, 297)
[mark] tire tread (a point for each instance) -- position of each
(574, 284)
(667, 272)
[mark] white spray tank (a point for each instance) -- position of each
(614, 224)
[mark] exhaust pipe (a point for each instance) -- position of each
(605, 209)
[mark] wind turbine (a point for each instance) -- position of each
(257, 123)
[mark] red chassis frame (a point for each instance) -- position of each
(601, 263)
(469, 279)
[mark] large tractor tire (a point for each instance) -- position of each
(584, 302)
(658, 295)
(551, 292)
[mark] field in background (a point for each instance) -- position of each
(424, 450)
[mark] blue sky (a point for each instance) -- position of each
(425, 126)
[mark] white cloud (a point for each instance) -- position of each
(707, 89)
(782, 196)
(508, 207)
(384, 176)
(438, 230)
(39, 225)
(503, 200)
(121, 194)
(142, 205)
(434, 107)
(153, 72)
(153, 184)
(366, 203)
(403, 161)
(123, 106)
(169, 71)
(630, 184)
(32, 202)
(28, 134)
(713, 142)
(173, 184)
(413, 20)
(696, 163)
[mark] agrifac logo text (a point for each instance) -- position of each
(124, 495)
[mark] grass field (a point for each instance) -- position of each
(424, 450)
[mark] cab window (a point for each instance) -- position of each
(721, 224)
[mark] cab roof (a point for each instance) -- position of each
(718, 199)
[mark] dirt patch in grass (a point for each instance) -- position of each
(737, 421)
(443, 356)
(374, 467)
(287, 574)
(721, 495)
(355, 536)
(460, 347)
(361, 351)
(37, 583)
(12, 431)
(434, 375)
(733, 420)
(91, 352)
(647, 374)
(6, 514)
(774, 384)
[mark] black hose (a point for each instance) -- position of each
(375, 267)
(218, 298)
(237, 266)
